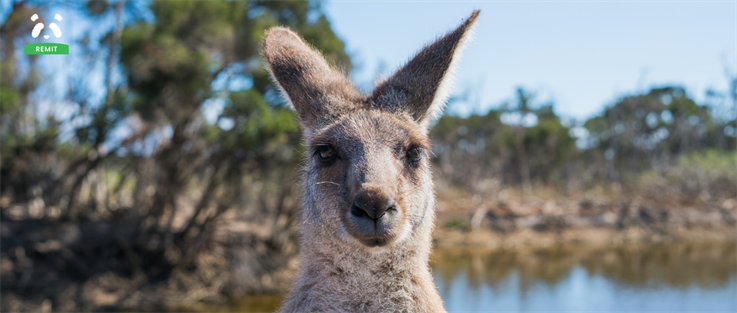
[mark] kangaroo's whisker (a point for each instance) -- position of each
(328, 182)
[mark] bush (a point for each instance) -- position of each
(695, 177)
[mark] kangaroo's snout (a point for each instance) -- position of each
(372, 204)
(373, 217)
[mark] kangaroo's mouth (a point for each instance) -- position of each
(379, 236)
(376, 242)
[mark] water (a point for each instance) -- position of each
(644, 278)
(666, 278)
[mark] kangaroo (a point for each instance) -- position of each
(368, 193)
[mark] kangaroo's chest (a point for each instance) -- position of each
(371, 289)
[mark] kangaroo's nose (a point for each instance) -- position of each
(372, 204)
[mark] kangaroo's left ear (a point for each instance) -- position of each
(421, 87)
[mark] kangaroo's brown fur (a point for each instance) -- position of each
(369, 201)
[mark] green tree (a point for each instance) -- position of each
(517, 144)
(173, 174)
(639, 131)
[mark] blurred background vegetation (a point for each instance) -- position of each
(131, 197)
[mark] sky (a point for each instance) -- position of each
(581, 55)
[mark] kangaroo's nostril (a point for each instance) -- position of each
(392, 206)
(358, 211)
(363, 208)
(387, 206)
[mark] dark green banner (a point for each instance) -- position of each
(46, 48)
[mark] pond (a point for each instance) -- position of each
(663, 278)
(641, 278)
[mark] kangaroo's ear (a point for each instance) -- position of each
(421, 87)
(313, 88)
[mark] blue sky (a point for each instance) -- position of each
(582, 55)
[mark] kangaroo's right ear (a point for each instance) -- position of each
(313, 88)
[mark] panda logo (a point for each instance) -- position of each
(40, 26)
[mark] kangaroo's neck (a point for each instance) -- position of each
(336, 276)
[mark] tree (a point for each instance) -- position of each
(639, 131)
(174, 173)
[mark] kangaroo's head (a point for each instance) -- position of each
(368, 180)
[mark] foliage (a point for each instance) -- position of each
(696, 176)
(474, 149)
(640, 132)
(145, 158)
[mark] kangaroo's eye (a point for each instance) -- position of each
(326, 152)
(414, 154)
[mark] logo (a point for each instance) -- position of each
(46, 48)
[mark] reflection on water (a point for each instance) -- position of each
(261, 303)
(637, 278)
(655, 278)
